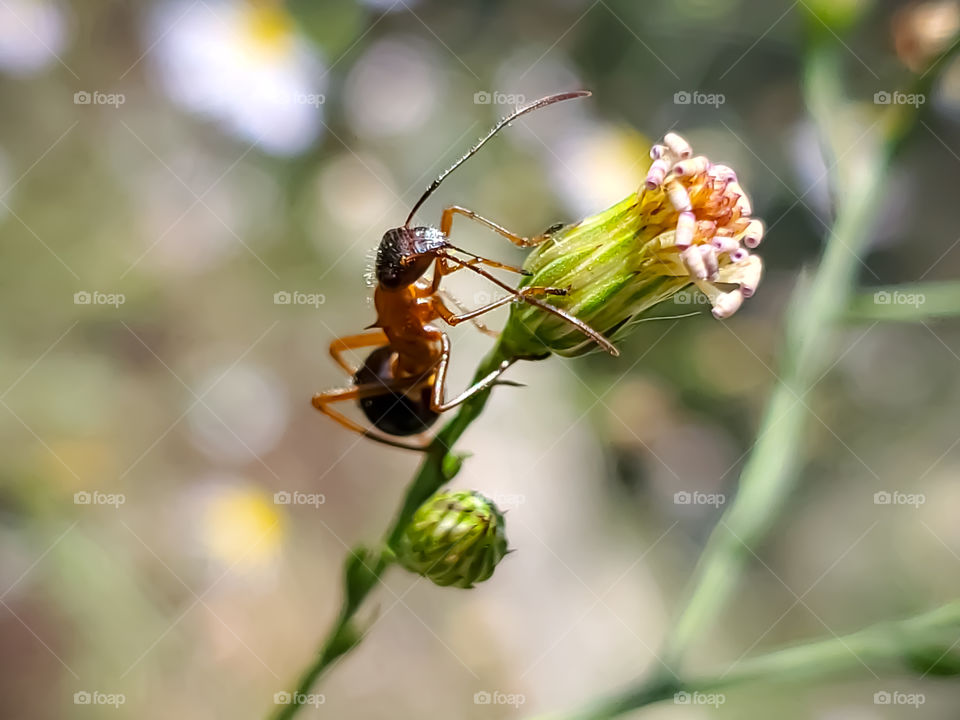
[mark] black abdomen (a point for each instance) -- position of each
(392, 412)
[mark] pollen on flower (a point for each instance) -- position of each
(700, 217)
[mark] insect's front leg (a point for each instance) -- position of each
(446, 223)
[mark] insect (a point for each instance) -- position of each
(401, 386)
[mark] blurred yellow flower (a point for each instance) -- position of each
(241, 528)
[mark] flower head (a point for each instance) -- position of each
(688, 224)
(455, 538)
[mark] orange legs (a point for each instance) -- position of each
(446, 223)
(323, 401)
(352, 342)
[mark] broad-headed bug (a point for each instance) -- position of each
(401, 385)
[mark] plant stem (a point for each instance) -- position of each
(920, 643)
(364, 568)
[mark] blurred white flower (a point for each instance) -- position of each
(242, 417)
(32, 34)
(392, 89)
(244, 65)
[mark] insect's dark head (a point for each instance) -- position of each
(393, 413)
(406, 253)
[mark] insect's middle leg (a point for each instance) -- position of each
(446, 223)
(445, 295)
(451, 318)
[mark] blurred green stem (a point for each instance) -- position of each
(364, 568)
(920, 643)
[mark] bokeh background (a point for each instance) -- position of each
(167, 168)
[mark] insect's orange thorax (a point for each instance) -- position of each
(405, 315)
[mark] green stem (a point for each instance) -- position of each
(365, 568)
(920, 644)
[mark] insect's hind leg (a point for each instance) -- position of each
(324, 400)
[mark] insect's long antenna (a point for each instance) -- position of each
(536, 105)
(547, 307)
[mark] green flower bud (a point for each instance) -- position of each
(689, 224)
(455, 538)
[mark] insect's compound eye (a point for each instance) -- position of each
(392, 412)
